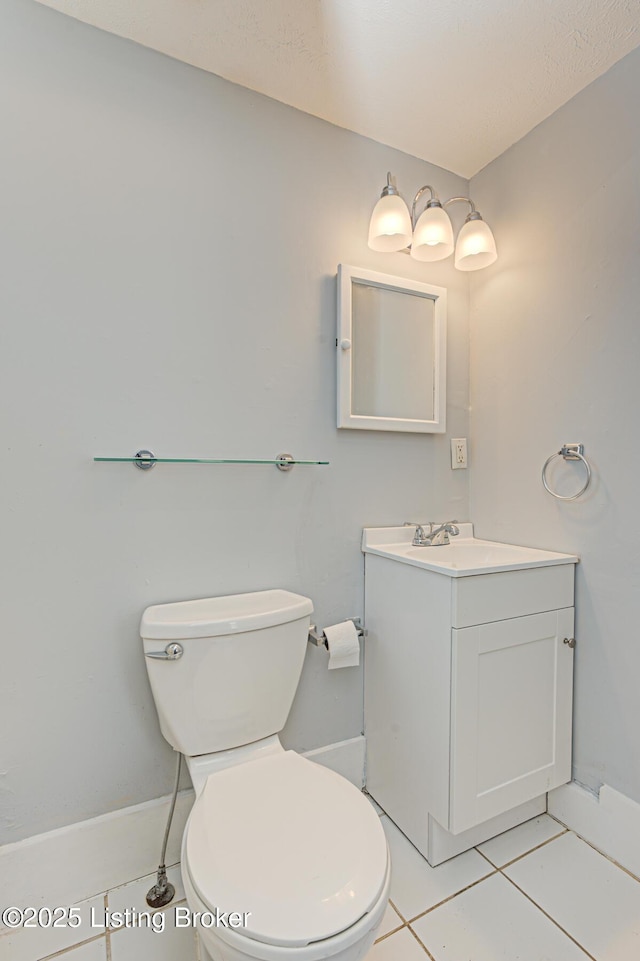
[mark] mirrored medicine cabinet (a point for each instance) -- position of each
(391, 346)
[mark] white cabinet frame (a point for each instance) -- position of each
(347, 277)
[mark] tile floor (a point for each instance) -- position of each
(535, 893)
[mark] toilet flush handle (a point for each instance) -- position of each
(171, 652)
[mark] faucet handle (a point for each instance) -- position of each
(420, 539)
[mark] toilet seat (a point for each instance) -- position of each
(289, 841)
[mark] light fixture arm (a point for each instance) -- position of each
(473, 213)
(432, 202)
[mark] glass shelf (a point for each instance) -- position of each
(145, 460)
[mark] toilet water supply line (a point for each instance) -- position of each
(163, 891)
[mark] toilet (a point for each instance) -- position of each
(281, 858)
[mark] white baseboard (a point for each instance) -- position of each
(610, 822)
(86, 858)
(83, 859)
(344, 757)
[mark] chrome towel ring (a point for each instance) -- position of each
(568, 452)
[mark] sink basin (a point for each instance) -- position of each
(466, 555)
(476, 553)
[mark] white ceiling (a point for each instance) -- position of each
(455, 82)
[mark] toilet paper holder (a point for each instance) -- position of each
(319, 638)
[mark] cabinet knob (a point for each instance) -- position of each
(571, 641)
(345, 344)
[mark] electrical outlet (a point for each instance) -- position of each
(458, 453)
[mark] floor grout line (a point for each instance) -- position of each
(107, 932)
(547, 915)
(603, 853)
(70, 947)
(542, 844)
(383, 937)
(397, 910)
(487, 858)
(423, 946)
(452, 896)
(634, 877)
(567, 830)
(402, 924)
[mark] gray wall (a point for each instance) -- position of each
(555, 347)
(169, 248)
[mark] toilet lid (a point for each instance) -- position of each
(289, 841)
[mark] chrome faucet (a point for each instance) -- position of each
(440, 536)
(435, 538)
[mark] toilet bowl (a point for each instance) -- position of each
(295, 852)
(281, 858)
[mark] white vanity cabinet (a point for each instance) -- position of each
(468, 695)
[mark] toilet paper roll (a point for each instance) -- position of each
(344, 646)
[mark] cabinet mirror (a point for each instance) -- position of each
(391, 352)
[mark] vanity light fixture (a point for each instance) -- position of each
(429, 237)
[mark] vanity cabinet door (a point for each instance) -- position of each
(511, 699)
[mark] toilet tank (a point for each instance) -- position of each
(236, 679)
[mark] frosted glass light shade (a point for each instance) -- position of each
(476, 246)
(433, 236)
(390, 226)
